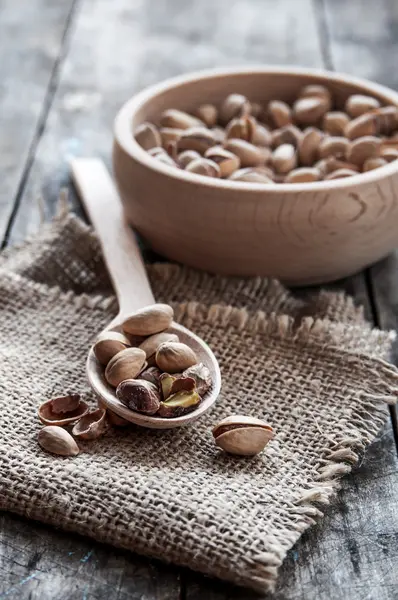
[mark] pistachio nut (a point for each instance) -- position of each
(174, 357)
(149, 320)
(303, 175)
(386, 118)
(168, 134)
(389, 154)
(139, 395)
(310, 110)
(284, 158)
(373, 163)
(151, 374)
(365, 124)
(204, 166)
(62, 411)
(91, 426)
(337, 146)
(109, 343)
(234, 105)
(179, 404)
(249, 155)
(196, 138)
(334, 122)
(261, 136)
(340, 174)
(358, 104)
(147, 136)
(186, 157)
(279, 113)
(253, 175)
(290, 134)
(308, 146)
(152, 343)
(126, 364)
(242, 128)
(219, 134)
(316, 91)
(363, 148)
(242, 435)
(207, 113)
(178, 119)
(166, 381)
(226, 161)
(201, 375)
(328, 165)
(57, 441)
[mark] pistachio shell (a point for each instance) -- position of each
(316, 91)
(57, 441)
(340, 174)
(148, 136)
(204, 166)
(49, 416)
(303, 175)
(310, 110)
(334, 122)
(249, 155)
(373, 163)
(226, 161)
(149, 320)
(126, 364)
(337, 146)
(174, 357)
(284, 158)
(234, 105)
(179, 404)
(308, 146)
(109, 343)
(168, 134)
(363, 148)
(290, 134)
(201, 374)
(178, 119)
(152, 343)
(242, 435)
(365, 124)
(196, 138)
(207, 113)
(253, 175)
(91, 426)
(166, 382)
(279, 113)
(139, 395)
(186, 157)
(358, 104)
(151, 374)
(242, 128)
(389, 154)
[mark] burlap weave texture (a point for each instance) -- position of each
(313, 368)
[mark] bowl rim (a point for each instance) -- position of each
(124, 137)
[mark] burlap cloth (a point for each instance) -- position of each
(313, 368)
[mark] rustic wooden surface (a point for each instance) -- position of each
(66, 67)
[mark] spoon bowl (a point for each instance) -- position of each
(128, 274)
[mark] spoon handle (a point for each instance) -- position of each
(119, 247)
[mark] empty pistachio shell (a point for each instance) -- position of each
(226, 161)
(201, 374)
(139, 395)
(174, 357)
(373, 163)
(179, 404)
(178, 119)
(126, 364)
(151, 374)
(279, 113)
(234, 105)
(308, 146)
(109, 343)
(149, 320)
(148, 136)
(186, 157)
(242, 435)
(249, 155)
(358, 104)
(91, 426)
(363, 148)
(62, 411)
(57, 441)
(333, 146)
(196, 138)
(310, 110)
(204, 166)
(303, 175)
(284, 158)
(207, 113)
(334, 122)
(152, 343)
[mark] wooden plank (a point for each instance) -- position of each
(31, 41)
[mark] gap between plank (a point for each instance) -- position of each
(43, 116)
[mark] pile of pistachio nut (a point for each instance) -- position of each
(308, 140)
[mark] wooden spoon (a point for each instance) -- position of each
(127, 271)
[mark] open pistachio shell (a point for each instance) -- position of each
(91, 426)
(63, 410)
(242, 435)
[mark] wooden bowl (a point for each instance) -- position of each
(301, 233)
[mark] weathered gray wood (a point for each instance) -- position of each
(31, 39)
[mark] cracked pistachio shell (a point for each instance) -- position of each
(126, 364)
(201, 375)
(57, 441)
(204, 166)
(242, 435)
(91, 426)
(226, 161)
(186, 157)
(139, 395)
(152, 343)
(179, 404)
(62, 411)
(149, 320)
(174, 357)
(109, 343)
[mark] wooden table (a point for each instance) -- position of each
(66, 67)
